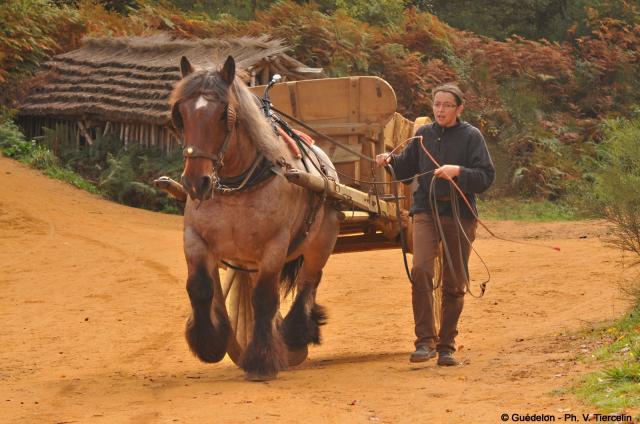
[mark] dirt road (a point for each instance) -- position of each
(93, 305)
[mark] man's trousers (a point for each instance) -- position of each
(454, 284)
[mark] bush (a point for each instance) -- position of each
(13, 142)
(122, 175)
(32, 31)
(375, 12)
(42, 158)
(533, 100)
(128, 175)
(14, 145)
(616, 180)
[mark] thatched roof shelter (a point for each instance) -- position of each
(128, 80)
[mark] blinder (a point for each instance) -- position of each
(176, 118)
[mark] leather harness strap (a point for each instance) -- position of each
(261, 170)
(258, 172)
(218, 158)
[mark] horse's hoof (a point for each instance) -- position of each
(296, 357)
(252, 376)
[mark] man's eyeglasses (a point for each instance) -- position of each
(444, 105)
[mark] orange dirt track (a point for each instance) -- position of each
(93, 306)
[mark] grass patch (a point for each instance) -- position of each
(70, 177)
(53, 170)
(527, 210)
(616, 388)
(13, 144)
(105, 167)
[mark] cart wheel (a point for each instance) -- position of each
(237, 289)
(437, 289)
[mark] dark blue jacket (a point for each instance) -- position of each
(462, 145)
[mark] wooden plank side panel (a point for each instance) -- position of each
(324, 102)
(357, 111)
(327, 100)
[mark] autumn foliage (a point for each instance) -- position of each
(538, 103)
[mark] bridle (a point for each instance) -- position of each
(190, 151)
(258, 172)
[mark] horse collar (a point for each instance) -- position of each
(260, 171)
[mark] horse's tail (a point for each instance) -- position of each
(289, 274)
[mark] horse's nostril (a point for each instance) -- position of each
(205, 184)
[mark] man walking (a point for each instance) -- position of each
(440, 214)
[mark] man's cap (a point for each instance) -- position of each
(450, 88)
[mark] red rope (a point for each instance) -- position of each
(466, 201)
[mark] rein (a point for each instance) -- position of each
(456, 215)
(326, 137)
(475, 215)
(403, 241)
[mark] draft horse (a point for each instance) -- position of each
(241, 210)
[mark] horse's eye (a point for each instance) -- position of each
(223, 116)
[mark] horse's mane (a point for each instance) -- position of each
(209, 83)
(255, 123)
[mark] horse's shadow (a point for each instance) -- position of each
(351, 358)
(226, 375)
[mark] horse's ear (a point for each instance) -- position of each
(228, 71)
(185, 67)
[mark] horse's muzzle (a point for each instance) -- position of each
(198, 188)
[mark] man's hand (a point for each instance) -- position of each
(447, 172)
(383, 159)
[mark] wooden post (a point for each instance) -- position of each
(85, 133)
(381, 175)
(154, 134)
(172, 142)
(264, 74)
(107, 127)
(354, 116)
(77, 133)
(165, 140)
